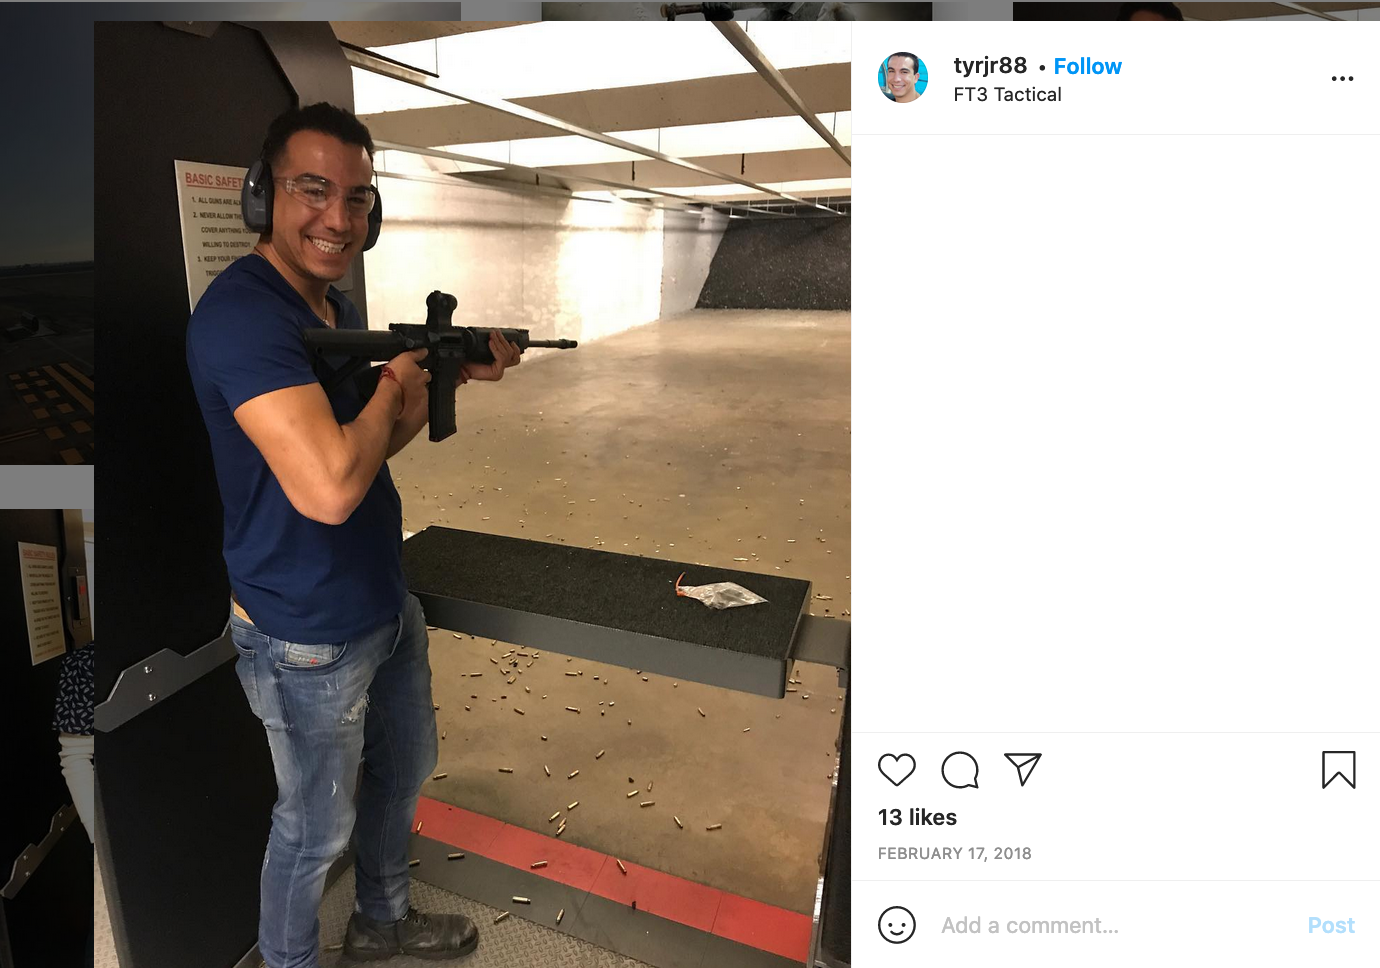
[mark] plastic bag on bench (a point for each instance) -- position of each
(720, 594)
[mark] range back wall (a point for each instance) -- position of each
(689, 243)
(781, 263)
(557, 266)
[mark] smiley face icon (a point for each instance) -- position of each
(897, 925)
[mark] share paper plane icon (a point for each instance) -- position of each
(1024, 763)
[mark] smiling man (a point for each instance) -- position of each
(332, 647)
(902, 70)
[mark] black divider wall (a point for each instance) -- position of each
(186, 786)
(165, 95)
(58, 896)
(781, 263)
(185, 794)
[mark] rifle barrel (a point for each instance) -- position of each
(554, 344)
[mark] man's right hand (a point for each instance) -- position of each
(413, 380)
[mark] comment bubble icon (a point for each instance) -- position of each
(960, 770)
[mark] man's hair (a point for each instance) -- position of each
(914, 61)
(1166, 10)
(322, 117)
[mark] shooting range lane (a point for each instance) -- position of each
(606, 605)
(709, 436)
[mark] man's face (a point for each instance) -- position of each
(296, 224)
(900, 76)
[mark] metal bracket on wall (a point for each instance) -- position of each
(31, 856)
(150, 681)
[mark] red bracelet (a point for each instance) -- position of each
(387, 372)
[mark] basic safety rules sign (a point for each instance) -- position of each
(213, 232)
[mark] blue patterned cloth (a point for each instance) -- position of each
(76, 701)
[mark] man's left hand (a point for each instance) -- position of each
(506, 354)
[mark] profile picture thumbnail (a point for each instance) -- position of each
(903, 77)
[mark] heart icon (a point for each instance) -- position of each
(895, 768)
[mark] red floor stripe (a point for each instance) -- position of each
(568, 863)
(759, 925)
(453, 825)
(749, 922)
(664, 895)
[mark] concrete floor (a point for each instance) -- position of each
(708, 437)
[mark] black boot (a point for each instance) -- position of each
(419, 935)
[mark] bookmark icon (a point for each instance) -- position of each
(1339, 763)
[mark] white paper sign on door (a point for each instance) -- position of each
(38, 573)
(213, 232)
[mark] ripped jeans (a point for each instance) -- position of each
(324, 707)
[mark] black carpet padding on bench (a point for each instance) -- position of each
(602, 588)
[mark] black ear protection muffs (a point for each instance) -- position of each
(256, 203)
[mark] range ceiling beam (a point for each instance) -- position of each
(369, 62)
(385, 33)
(1302, 8)
(700, 100)
(556, 176)
(765, 167)
(691, 205)
(742, 43)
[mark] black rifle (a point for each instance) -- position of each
(448, 347)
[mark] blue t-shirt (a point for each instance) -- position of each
(298, 579)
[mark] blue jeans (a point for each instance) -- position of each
(325, 707)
